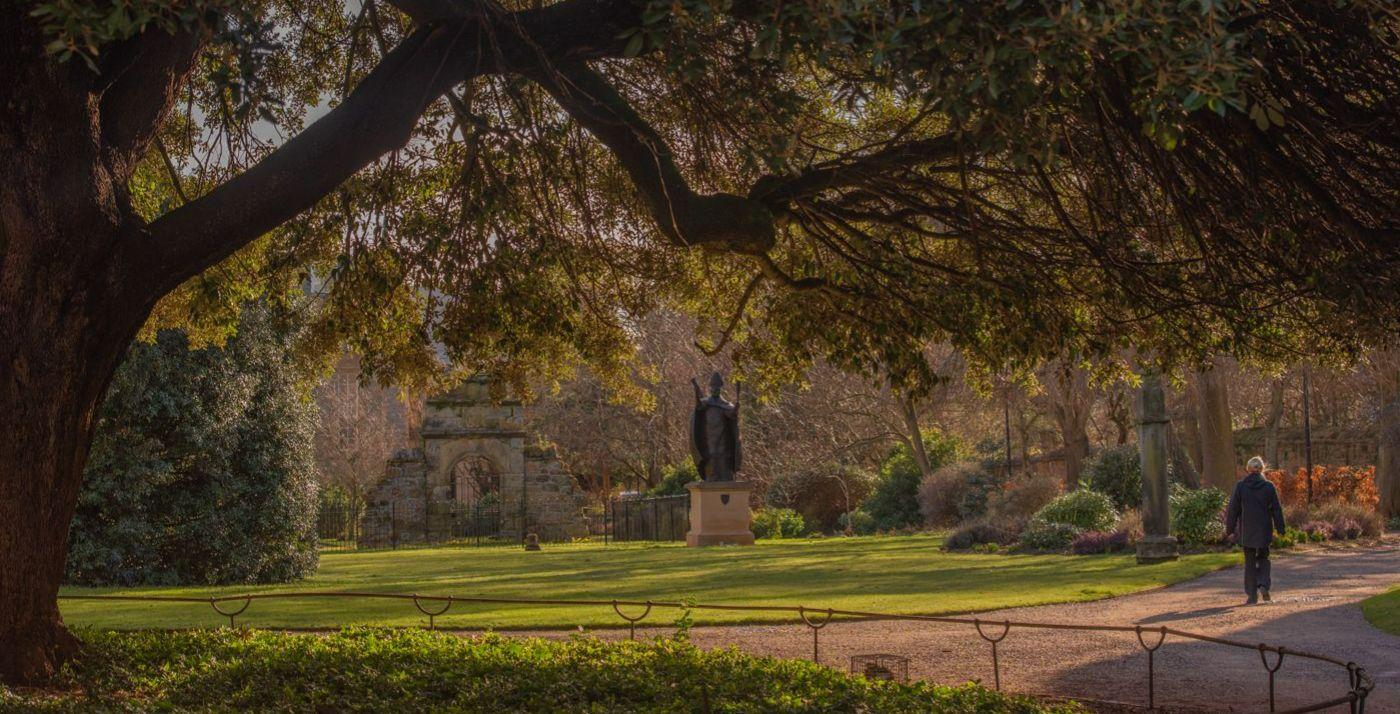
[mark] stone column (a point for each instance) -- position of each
(1157, 544)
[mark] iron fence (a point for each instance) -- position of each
(657, 518)
(993, 632)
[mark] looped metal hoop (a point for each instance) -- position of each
(214, 603)
(432, 616)
(1161, 637)
(802, 613)
(1005, 630)
(1264, 658)
(631, 621)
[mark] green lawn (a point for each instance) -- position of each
(904, 574)
(1383, 611)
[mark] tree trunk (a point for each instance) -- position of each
(1388, 438)
(1271, 426)
(65, 321)
(916, 436)
(1217, 438)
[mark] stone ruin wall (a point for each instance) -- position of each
(414, 503)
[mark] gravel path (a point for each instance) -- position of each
(1314, 609)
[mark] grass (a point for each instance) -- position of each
(414, 670)
(901, 574)
(1383, 611)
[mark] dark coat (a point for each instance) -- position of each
(1253, 508)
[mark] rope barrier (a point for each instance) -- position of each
(1359, 681)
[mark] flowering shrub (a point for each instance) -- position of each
(1342, 484)
(1338, 517)
(979, 533)
(1091, 542)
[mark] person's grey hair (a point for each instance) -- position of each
(1256, 463)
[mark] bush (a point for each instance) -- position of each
(1116, 473)
(778, 523)
(1197, 515)
(1365, 518)
(1130, 525)
(857, 522)
(941, 493)
(1085, 509)
(979, 533)
(1393, 524)
(1020, 498)
(1092, 542)
(413, 670)
(1331, 484)
(202, 468)
(894, 504)
(820, 494)
(1046, 535)
(674, 478)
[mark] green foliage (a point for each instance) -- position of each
(201, 470)
(822, 494)
(674, 478)
(857, 522)
(1048, 535)
(1084, 509)
(978, 533)
(414, 670)
(1197, 515)
(894, 503)
(1117, 472)
(1393, 524)
(778, 523)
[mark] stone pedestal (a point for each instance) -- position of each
(719, 513)
(1156, 549)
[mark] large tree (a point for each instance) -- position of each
(505, 179)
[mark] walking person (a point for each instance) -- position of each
(1255, 513)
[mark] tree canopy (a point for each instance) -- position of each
(1016, 178)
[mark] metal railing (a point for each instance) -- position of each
(993, 632)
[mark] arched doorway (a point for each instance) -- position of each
(476, 498)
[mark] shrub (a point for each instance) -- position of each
(1317, 530)
(1046, 535)
(778, 523)
(1130, 525)
(1085, 509)
(858, 522)
(1116, 473)
(674, 478)
(1197, 515)
(1289, 538)
(1021, 497)
(1393, 524)
(1341, 484)
(820, 494)
(1092, 542)
(1365, 518)
(894, 503)
(414, 670)
(945, 494)
(978, 533)
(202, 468)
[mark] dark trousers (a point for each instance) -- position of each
(1256, 569)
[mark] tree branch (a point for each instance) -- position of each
(377, 117)
(139, 94)
(684, 216)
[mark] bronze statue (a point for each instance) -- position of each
(714, 433)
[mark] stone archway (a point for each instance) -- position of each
(474, 478)
(465, 435)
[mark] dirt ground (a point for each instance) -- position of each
(1316, 593)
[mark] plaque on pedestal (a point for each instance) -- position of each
(719, 513)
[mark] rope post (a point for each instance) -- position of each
(1151, 668)
(214, 603)
(432, 616)
(1263, 649)
(996, 662)
(631, 621)
(802, 612)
